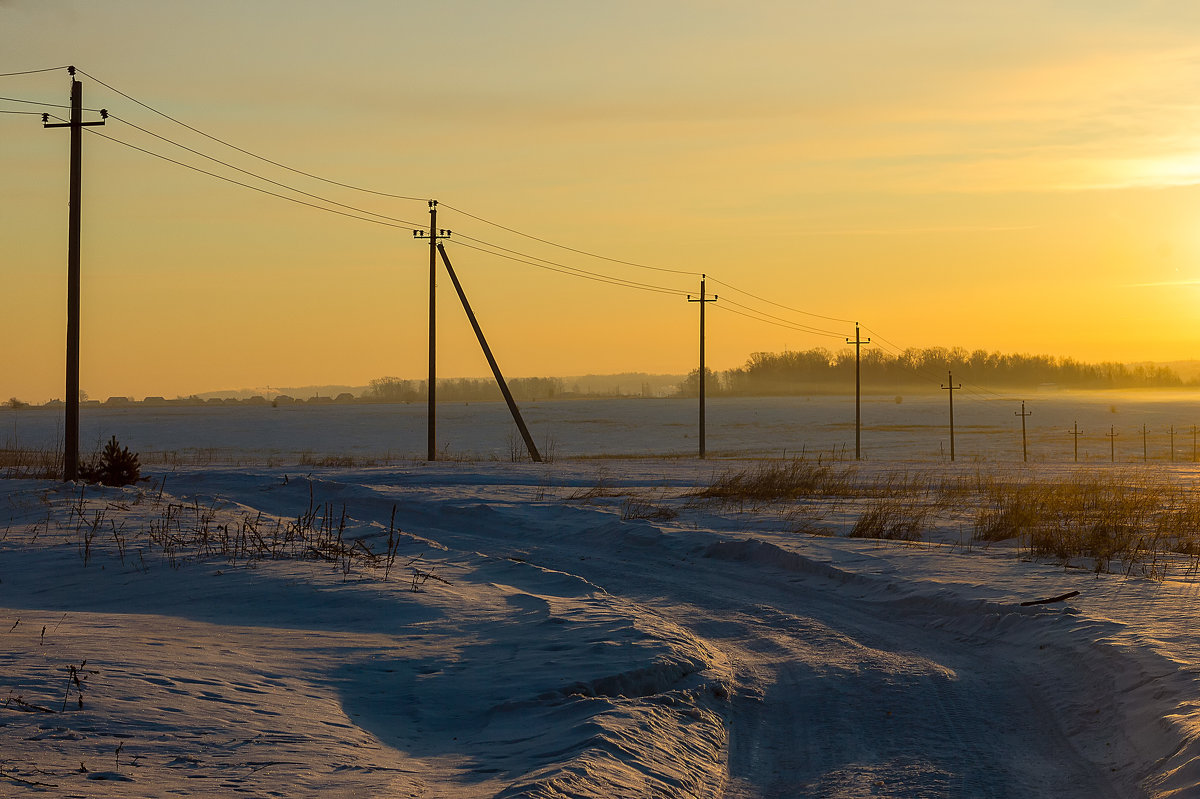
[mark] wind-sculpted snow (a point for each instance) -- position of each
(497, 630)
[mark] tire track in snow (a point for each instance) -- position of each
(811, 719)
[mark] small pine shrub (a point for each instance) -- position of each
(116, 466)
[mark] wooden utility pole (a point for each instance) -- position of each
(1024, 447)
(858, 341)
(76, 124)
(1172, 443)
(1076, 433)
(431, 386)
(703, 299)
(951, 388)
(487, 351)
(1144, 458)
(1112, 443)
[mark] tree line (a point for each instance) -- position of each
(819, 370)
(524, 389)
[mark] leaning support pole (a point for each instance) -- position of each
(487, 351)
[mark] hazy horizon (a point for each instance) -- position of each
(627, 382)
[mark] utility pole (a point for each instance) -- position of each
(1112, 443)
(703, 299)
(431, 386)
(76, 124)
(1193, 443)
(951, 388)
(487, 351)
(1024, 448)
(1076, 433)
(858, 341)
(1172, 443)
(1144, 443)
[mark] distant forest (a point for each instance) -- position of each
(526, 389)
(820, 370)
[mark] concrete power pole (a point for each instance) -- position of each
(431, 415)
(858, 341)
(703, 299)
(76, 124)
(951, 388)
(1024, 446)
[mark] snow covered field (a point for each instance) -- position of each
(571, 629)
(908, 427)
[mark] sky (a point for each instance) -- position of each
(1020, 177)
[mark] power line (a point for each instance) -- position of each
(404, 225)
(505, 252)
(247, 152)
(634, 283)
(573, 272)
(476, 217)
(780, 305)
(357, 210)
(32, 71)
(784, 325)
(593, 275)
(254, 174)
(30, 113)
(43, 104)
(818, 331)
(565, 247)
(512, 255)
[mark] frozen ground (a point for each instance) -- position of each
(557, 645)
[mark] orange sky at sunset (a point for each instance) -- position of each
(1019, 177)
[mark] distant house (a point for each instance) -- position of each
(257, 399)
(118, 401)
(154, 401)
(283, 399)
(345, 396)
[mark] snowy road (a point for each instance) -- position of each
(567, 651)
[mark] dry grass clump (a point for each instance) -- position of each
(780, 481)
(181, 532)
(601, 489)
(30, 464)
(892, 519)
(1098, 516)
(1179, 524)
(636, 508)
